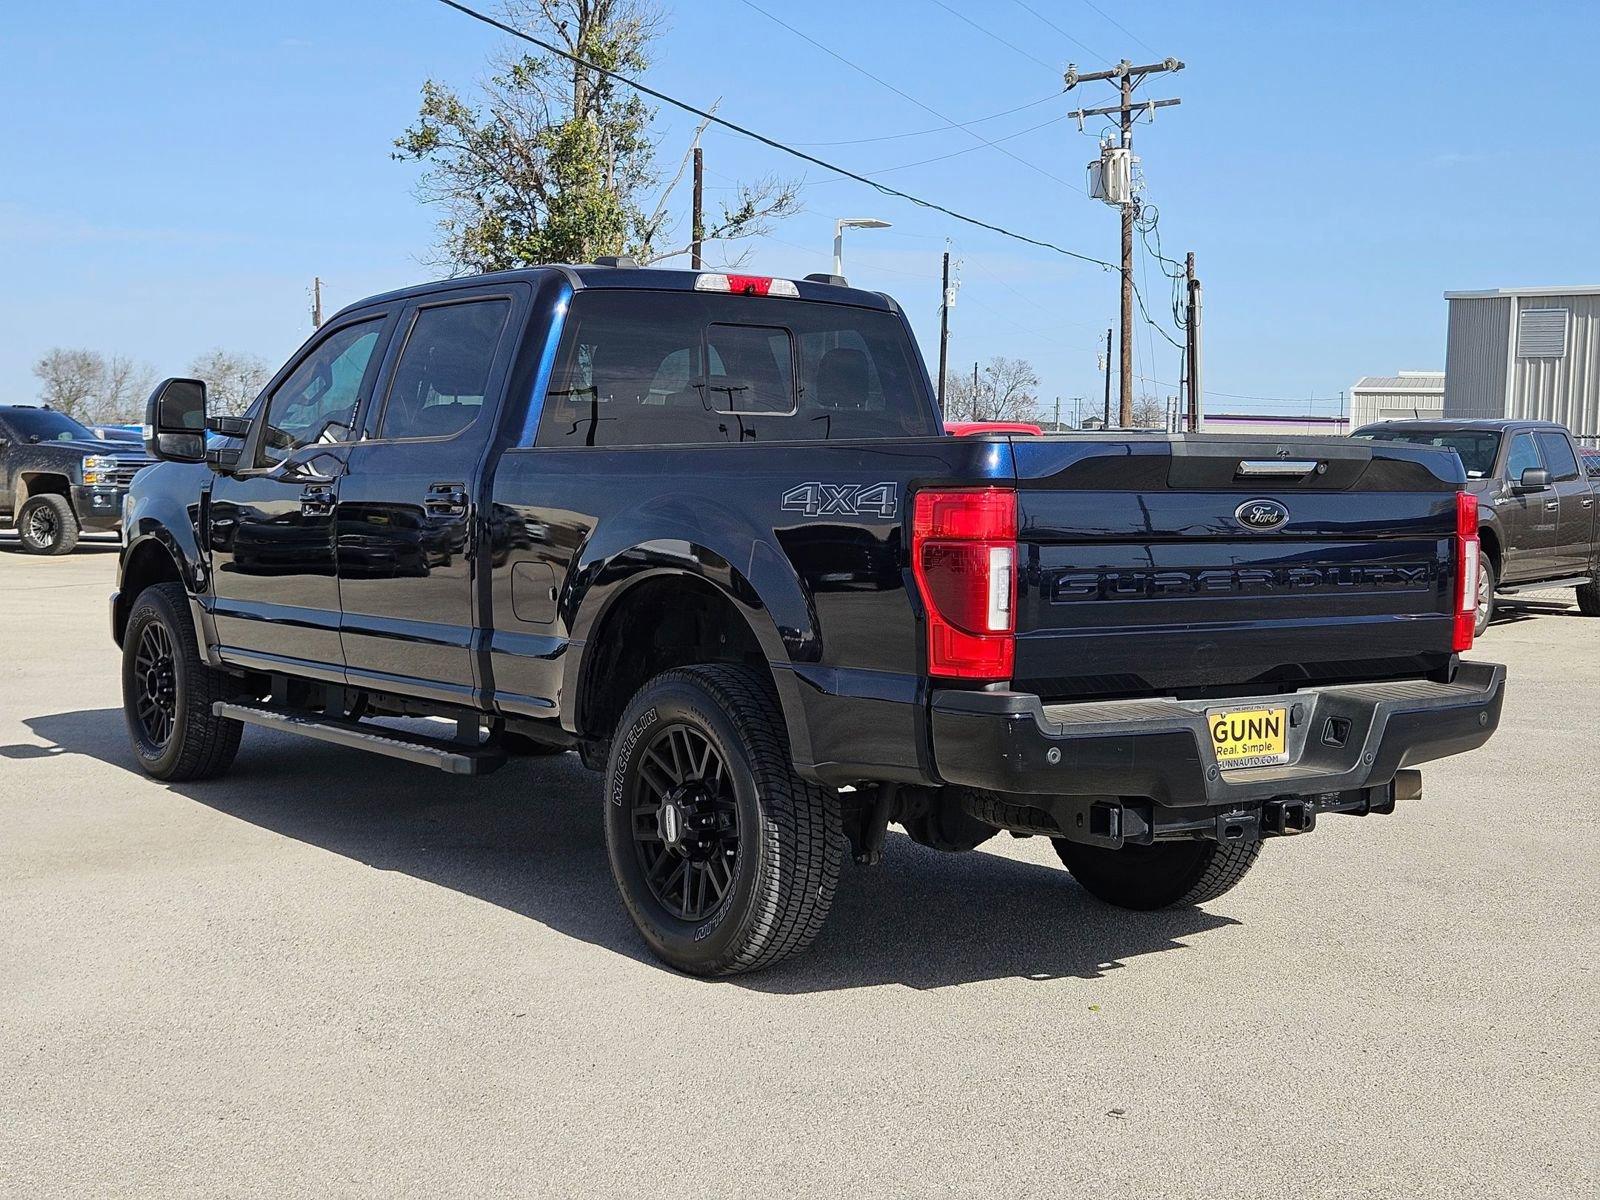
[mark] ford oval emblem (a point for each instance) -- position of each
(1261, 514)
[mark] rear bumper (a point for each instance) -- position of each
(1159, 749)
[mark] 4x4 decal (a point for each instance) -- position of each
(843, 499)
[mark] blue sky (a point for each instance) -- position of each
(178, 172)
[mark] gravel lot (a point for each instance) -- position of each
(334, 974)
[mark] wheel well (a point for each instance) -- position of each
(149, 564)
(35, 484)
(661, 623)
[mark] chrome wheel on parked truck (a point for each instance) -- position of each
(46, 524)
(726, 859)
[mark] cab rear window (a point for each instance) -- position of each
(675, 368)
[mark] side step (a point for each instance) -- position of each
(458, 758)
(1542, 585)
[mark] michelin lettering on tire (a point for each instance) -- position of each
(646, 719)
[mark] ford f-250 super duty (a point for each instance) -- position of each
(706, 529)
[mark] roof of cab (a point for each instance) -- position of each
(1447, 424)
(652, 279)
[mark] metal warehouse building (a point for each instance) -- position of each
(1526, 353)
(1408, 394)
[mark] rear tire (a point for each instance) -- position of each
(1163, 875)
(168, 691)
(726, 859)
(47, 525)
(1589, 599)
(1487, 581)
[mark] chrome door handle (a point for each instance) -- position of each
(1551, 505)
(447, 499)
(316, 501)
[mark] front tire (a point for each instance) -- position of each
(47, 525)
(1487, 581)
(726, 859)
(1162, 875)
(1589, 599)
(168, 691)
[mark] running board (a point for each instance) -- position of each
(1542, 585)
(457, 758)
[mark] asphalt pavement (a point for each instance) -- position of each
(337, 975)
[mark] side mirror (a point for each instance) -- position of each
(175, 421)
(1534, 479)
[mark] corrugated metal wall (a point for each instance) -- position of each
(1565, 389)
(1475, 357)
(1366, 407)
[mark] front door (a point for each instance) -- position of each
(408, 501)
(1529, 519)
(1575, 495)
(275, 592)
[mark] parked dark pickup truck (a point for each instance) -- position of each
(1537, 504)
(707, 530)
(58, 478)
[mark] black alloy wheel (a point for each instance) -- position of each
(156, 684)
(685, 822)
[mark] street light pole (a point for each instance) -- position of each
(840, 226)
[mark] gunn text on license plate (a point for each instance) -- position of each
(1253, 737)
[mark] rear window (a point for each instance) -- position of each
(676, 368)
(1476, 448)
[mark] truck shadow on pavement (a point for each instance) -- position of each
(529, 840)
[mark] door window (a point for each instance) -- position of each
(318, 401)
(1523, 457)
(443, 374)
(1558, 456)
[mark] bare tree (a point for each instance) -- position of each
(89, 387)
(1006, 391)
(554, 162)
(1149, 412)
(233, 379)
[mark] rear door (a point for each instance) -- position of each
(1574, 538)
(409, 500)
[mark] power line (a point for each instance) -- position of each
(955, 153)
(890, 137)
(774, 144)
(991, 34)
(1120, 26)
(928, 108)
(1087, 49)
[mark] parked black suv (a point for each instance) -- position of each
(707, 529)
(58, 478)
(1538, 505)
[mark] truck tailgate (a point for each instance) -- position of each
(1209, 565)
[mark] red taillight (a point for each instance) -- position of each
(1467, 551)
(963, 554)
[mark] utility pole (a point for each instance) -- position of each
(1127, 77)
(1106, 424)
(944, 328)
(698, 224)
(316, 302)
(1057, 428)
(1194, 342)
(975, 415)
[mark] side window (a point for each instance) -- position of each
(1523, 457)
(443, 374)
(318, 401)
(1558, 456)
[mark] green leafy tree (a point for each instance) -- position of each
(551, 161)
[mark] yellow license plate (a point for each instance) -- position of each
(1252, 737)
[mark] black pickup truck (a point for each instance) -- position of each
(1538, 504)
(58, 478)
(707, 530)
